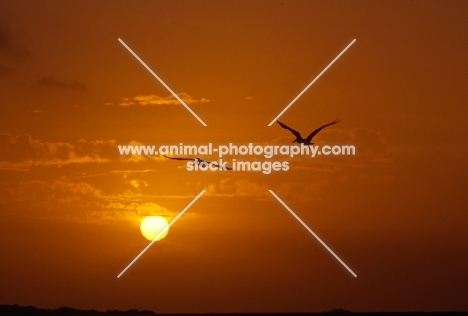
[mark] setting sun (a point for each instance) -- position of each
(151, 227)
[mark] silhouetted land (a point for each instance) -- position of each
(62, 311)
(68, 311)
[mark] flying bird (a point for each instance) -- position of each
(306, 141)
(199, 161)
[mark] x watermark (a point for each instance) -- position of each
(271, 123)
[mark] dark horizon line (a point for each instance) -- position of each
(15, 309)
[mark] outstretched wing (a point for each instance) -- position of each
(309, 138)
(219, 166)
(296, 133)
(175, 158)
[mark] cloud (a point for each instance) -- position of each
(139, 209)
(61, 84)
(241, 187)
(23, 152)
(52, 194)
(292, 191)
(371, 150)
(298, 191)
(138, 183)
(368, 142)
(83, 201)
(145, 100)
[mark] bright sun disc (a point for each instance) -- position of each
(151, 226)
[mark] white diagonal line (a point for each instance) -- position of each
(312, 82)
(313, 234)
(162, 82)
(162, 232)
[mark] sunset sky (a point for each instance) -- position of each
(71, 206)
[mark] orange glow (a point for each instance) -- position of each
(395, 212)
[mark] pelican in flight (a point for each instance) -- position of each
(306, 141)
(199, 161)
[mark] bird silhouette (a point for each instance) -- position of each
(306, 141)
(199, 161)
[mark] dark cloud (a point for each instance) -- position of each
(61, 84)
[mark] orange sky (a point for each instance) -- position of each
(395, 212)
